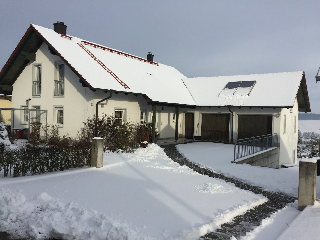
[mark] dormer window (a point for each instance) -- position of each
(36, 82)
(59, 79)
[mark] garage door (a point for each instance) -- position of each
(254, 125)
(215, 127)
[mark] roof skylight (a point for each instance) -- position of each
(245, 84)
(240, 88)
(231, 85)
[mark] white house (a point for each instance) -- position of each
(69, 77)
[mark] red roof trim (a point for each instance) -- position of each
(104, 66)
(66, 36)
(118, 52)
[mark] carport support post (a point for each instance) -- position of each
(97, 152)
(176, 137)
(154, 108)
(307, 184)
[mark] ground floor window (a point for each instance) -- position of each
(24, 115)
(143, 116)
(36, 114)
(119, 115)
(58, 111)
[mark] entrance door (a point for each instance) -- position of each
(189, 125)
(254, 125)
(215, 127)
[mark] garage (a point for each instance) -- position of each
(254, 125)
(215, 127)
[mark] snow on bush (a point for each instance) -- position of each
(4, 139)
(45, 217)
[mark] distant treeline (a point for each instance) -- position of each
(309, 116)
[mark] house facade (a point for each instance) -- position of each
(72, 79)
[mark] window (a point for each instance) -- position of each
(142, 115)
(36, 114)
(36, 82)
(119, 116)
(59, 80)
(59, 116)
(24, 115)
(295, 124)
(284, 123)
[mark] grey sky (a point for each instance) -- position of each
(200, 38)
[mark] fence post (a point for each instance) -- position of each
(97, 152)
(307, 183)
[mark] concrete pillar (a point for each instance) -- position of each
(154, 116)
(307, 183)
(97, 152)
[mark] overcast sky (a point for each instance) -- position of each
(200, 38)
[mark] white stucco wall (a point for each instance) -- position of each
(289, 135)
(76, 101)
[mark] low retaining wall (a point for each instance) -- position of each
(265, 159)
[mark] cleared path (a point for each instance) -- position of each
(242, 223)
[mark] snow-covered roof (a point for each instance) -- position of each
(273, 89)
(103, 69)
(100, 67)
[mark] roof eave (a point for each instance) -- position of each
(82, 79)
(302, 96)
(18, 60)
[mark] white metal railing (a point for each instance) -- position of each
(248, 146)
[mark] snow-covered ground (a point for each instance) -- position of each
(219, 156)
(145, 195)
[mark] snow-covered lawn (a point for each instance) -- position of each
(144, 195)
(219, 156)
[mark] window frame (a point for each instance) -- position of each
(56, 117)
(37, 113)
(143, 115)
(36, 80)
(123, 116)
(59, 80)
(24, 116)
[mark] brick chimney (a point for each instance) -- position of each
(60, 28)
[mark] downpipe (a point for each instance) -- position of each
(97, 104)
